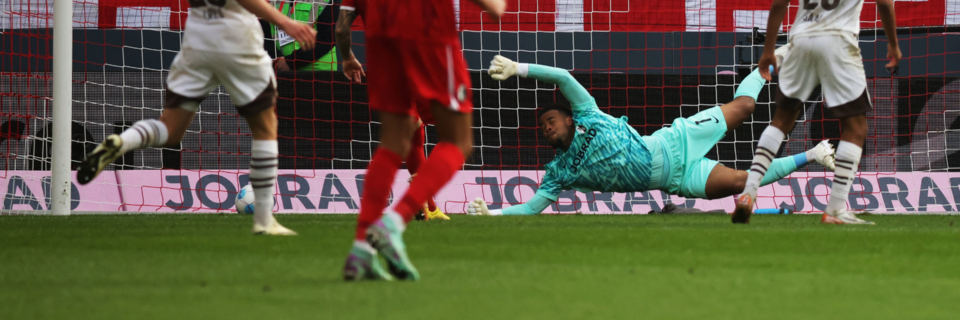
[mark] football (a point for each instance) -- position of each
(245, 200)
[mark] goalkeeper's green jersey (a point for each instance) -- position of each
(606, 154)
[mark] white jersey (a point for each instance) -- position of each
(827, 17)
(222, 26)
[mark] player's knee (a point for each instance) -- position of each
(750, 106)
(746, 105)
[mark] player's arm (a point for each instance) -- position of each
(535, 206)
(546, 194)
(889, 19)
(494, 8)
(301, 32)
(351, 66)
(777, 11)
(502, 68)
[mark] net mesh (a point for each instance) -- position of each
(652, 61)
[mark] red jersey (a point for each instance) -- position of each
(414, 20)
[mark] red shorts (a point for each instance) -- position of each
(405, 77)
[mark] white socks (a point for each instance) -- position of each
(397, 219)
(848, 160)
(767, 149)
(364, 245)
(144, 134)
(263, 175)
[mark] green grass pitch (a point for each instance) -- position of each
(541, 267)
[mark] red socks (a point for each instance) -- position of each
(445, 160)
(416, 158)
(376, 189)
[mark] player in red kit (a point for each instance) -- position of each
(416, 68)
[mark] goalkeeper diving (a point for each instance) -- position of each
(597, 152)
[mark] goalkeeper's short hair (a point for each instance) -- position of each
(562, 108)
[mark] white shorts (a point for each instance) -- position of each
(248, 78)
(832, 61)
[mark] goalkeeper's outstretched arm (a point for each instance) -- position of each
(502, 68)
(536, 205)
(546, 194)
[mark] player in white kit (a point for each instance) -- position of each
(823, 52)
(222, 44)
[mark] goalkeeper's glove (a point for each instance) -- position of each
(502, 68)
(479, 208)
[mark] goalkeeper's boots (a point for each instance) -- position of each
(387, 237)
(102, 156)
(435, 214)
(741, 214)
(843, 217)
(824, 155)
(364, 265)
(272, 229)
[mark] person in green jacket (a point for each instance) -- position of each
(324, 56)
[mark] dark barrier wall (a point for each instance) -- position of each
(916, 124)
(933, 54)
(325, 121)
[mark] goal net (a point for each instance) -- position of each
(651, 61)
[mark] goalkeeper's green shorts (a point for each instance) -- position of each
(686, 142)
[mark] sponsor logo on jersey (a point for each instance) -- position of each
(582, 151)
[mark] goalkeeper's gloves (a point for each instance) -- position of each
(479, 208)
(502, 68)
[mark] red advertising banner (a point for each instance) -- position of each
(528, 15)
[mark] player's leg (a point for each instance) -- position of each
(147, 133)
(439, 84)
(251, 83)
(703, 131)
(796, 82)
(374, 231)
(723, 181)
(848, 161)
(744, 101)
(386, 235)
(264, 153)
(188, 83)
(455, 145)
(395, 132)
(389, 94)
(415, 158)
(845, 91)
(784, 119)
